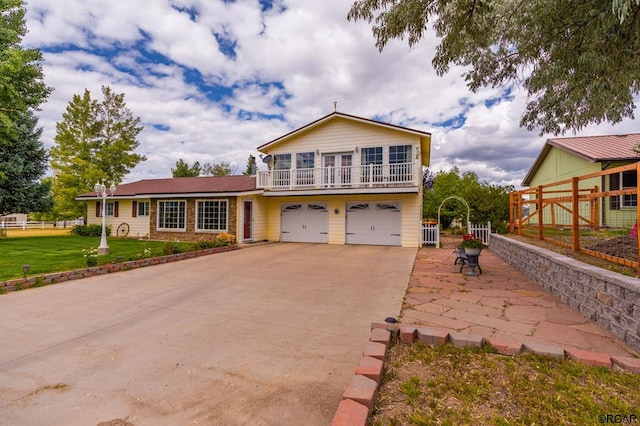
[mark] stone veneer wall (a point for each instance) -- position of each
(611, 300)
(190, 234)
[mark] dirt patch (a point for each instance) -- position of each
(625, 247)
(116, 422)
(616, 246)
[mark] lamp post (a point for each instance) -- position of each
(101, 191)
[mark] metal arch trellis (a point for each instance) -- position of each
(454, 197)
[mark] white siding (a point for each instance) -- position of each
(138, 226)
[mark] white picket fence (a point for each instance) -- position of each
(481, 232)
(40, 224)
(430, 233)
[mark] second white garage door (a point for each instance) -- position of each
(376, 223)
(304, 223)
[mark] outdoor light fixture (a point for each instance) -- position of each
(392, 327)
(25, 269)
(101, 192)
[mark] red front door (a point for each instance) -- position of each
(248, 216)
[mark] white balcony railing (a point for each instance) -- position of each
(372, 175)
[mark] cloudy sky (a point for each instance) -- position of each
(211, 80)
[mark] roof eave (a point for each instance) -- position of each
(263, 148)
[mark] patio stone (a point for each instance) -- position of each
(500, 303)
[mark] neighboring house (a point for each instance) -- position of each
(564, 158)
(12, 219)
(339, 180)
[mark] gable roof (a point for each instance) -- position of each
(183, 186)
(425, 137)
(591, 148)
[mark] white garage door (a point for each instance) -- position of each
(304, 223)
(377, 223)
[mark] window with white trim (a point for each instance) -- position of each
(371, 155)
(623, 180)
(110, 208)
(282, 169)
(371, 160)
(211, 215)
(305, 162)
(399, 154)
(171, 215)
(143, 208)
(400, 163)
(282, 161)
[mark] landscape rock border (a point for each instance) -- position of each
(359, 398)
(59, 277)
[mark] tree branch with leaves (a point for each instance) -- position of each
(577, 60)
(95, 141)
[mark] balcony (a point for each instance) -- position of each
(342, 177)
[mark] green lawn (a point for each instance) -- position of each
(47, 254)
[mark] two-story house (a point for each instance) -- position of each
(341, 179)
(345, 179)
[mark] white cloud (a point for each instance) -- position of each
(294, 61)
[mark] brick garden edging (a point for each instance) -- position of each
(58, 277)
(359, 398)
(607, 298)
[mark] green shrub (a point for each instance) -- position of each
(90, 230)
(205, 244)
(171, 248)
(91, 255)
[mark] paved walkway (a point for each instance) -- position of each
(501, 302)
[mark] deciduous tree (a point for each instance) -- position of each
(223, 168)
(578, 60)
(95, 141)
(486, 202)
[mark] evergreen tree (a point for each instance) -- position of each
(23, 161)
(184, 170)
(95, 142)
(251, 166)
(22, 90)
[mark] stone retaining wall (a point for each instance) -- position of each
(607, 298)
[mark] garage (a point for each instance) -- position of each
(375, 223)
(304, 223)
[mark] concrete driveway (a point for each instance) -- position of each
(265, 335)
